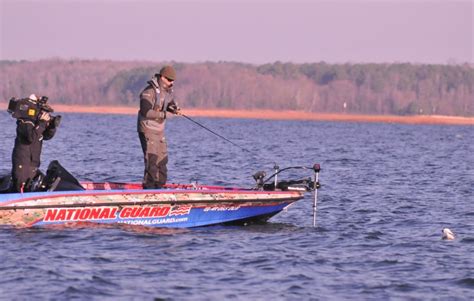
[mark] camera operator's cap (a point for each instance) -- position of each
(33, 97)
(168, 72)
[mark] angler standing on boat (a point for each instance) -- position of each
(155, 101)
(34, 124)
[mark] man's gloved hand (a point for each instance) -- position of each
(173, 108)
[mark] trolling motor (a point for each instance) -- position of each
(305, 184)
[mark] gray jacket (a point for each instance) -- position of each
(152, 113)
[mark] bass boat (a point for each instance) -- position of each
(58, 198)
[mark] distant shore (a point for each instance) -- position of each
(277, 115)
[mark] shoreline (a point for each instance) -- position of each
(276, 115)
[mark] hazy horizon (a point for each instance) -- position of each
(256, 32)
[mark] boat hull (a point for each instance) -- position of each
(175, 208)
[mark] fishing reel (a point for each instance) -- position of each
(304, 184)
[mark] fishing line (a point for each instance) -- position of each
(206, 128)
(222, 137)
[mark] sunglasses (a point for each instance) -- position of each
(169, 79)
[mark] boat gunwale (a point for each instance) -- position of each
(292, 196)
(253, 202)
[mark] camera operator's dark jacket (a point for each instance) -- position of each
(28, 145)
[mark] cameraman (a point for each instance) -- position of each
(28, 144)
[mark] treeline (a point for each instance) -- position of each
(400, 89)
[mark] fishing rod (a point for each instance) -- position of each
(208, 129)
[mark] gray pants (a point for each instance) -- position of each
(156, 157)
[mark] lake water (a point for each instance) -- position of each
(387, 192)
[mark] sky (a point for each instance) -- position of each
(249, 31)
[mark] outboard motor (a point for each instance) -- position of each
(59, 179)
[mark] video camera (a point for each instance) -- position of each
(29, 109)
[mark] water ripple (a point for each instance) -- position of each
(387, 192)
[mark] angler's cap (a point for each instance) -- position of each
(33, 97)
(168, 72)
